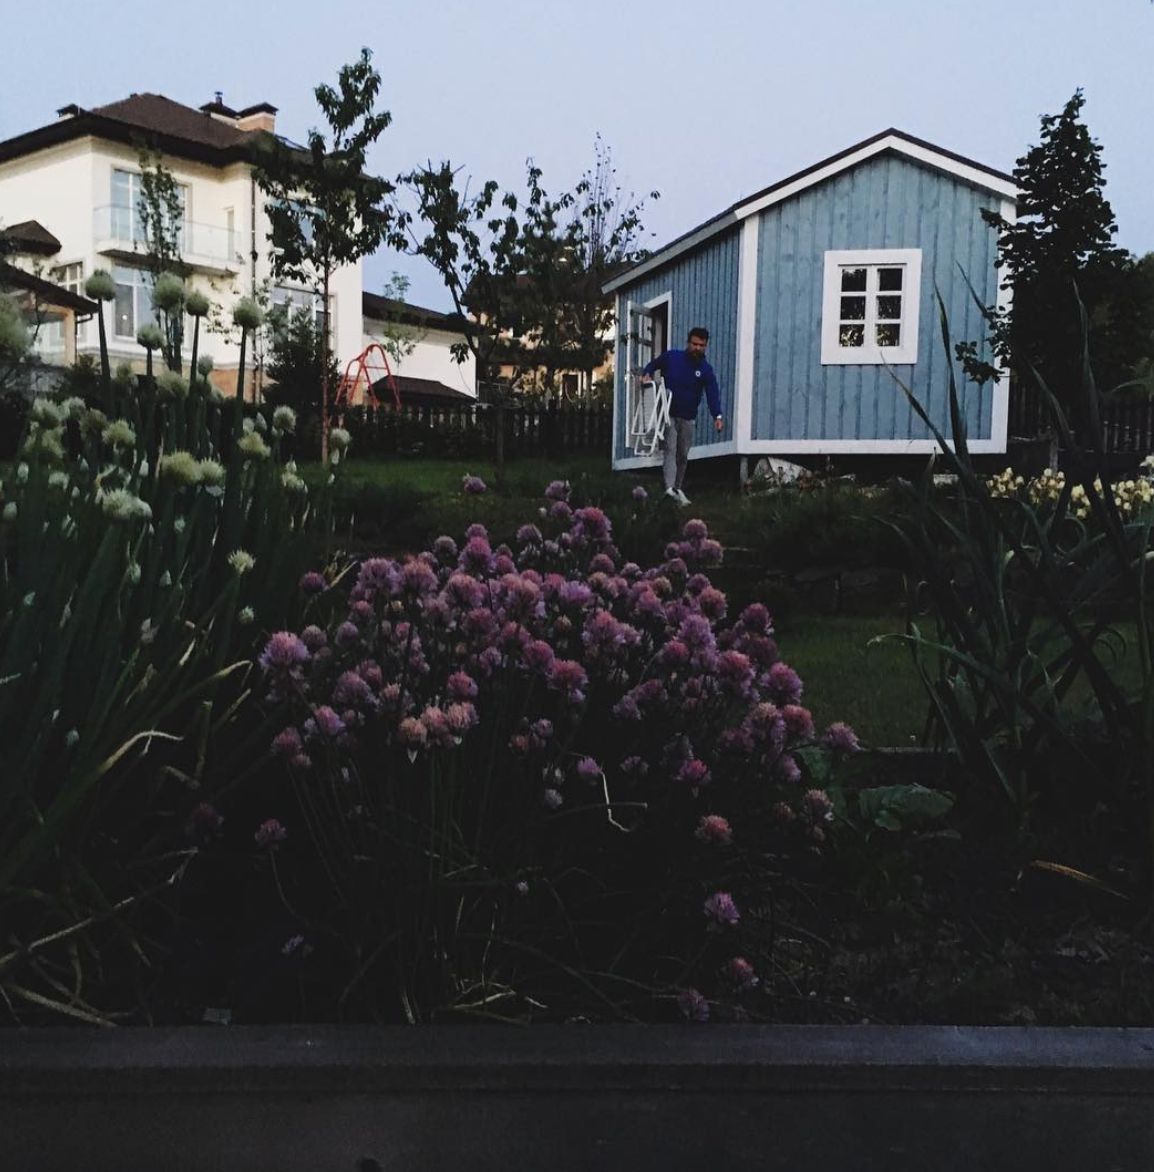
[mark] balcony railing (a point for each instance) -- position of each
(119, 232)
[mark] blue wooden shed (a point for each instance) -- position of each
(817, 292)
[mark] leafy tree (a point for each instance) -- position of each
(325, 209)
(1059, 250)
(484, 247)
(296, 360)
(161, 211)
(605, 238)
(398, 339)
(14, 339)
(527, 273)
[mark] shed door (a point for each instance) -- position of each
(648, 329)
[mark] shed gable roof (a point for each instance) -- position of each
(916, 149)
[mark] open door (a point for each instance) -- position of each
(646, 404)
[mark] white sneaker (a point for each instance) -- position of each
(673, 495)
(682, 499)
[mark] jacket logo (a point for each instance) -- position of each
(697, 373)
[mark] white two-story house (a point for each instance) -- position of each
(79, 179)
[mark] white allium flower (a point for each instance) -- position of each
(58, 479)
(30, 598)
(211, 472)
(248, 425)
(252, 445)
(165, 580)
(284, 419)
(73, 407)
(245, 616)
(183, 467)
(119, 504)
(178, 524)
(119, 434)
(133, 573)
(71, 738)
(241, 561)
(47, 412)
(339, 439)
(22, 473)
(294, 483)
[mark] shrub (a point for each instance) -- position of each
(537, 781)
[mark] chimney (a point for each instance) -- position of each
(261, 117)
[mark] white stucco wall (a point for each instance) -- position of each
(432, 358)
(63, 187)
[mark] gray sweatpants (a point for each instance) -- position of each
(676, 444)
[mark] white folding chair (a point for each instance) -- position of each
(649, 416)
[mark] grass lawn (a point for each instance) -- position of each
(874, 688)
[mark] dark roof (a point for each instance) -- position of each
(148, 119)
(31, 236)
(422, 391)
(379, 308)
(729, 212)
(45, 291)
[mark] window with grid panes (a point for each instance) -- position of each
(870, 306)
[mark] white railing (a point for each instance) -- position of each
(119, 228)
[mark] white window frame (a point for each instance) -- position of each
(296, 299)
(833, 353)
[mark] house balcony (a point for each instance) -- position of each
(206, 248)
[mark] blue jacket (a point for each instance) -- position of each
(686, 382)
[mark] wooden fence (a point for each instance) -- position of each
(480, 429)
(1127, 424)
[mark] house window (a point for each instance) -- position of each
(70, 277)
(132, 307)
(304, 300)
(127, 221)
(870, 304)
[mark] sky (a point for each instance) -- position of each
(703, 102)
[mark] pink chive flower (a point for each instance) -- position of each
(788, 769)
(817, 805)
(693, 1005)
(567, 675)
(721, 911)
(557, 490)
(477, 556)
(203, 822)
(529, 535)
(560, 511)
(326, 722)
(314, 638)
(588, 769)
(712, 603)
(592, 523)
(473, 486)
(461, 686)
(476, 530)
(739, 972)
(287, 743)
(693, 773)
(445, 549)
(538, 656)
(418, 579)
(351, 689)
(412, 733)
(841, 738)
(640, 496)
(695, 530)
(347, 634)
(798, 722)
(313, 583)
(784, 683)
(713, 828)
(269, 833)
(284, 653)
(460, 717)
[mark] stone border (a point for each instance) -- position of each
(359, 1099)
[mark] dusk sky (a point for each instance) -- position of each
(704, 102)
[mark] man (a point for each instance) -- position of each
(686, 374)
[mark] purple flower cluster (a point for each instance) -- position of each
(573, 677)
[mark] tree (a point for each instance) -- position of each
(486, 247)
(1059, 250)
(324, 208)
(527, 273)
(161, 211)
(605, 237)
(297, 356)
